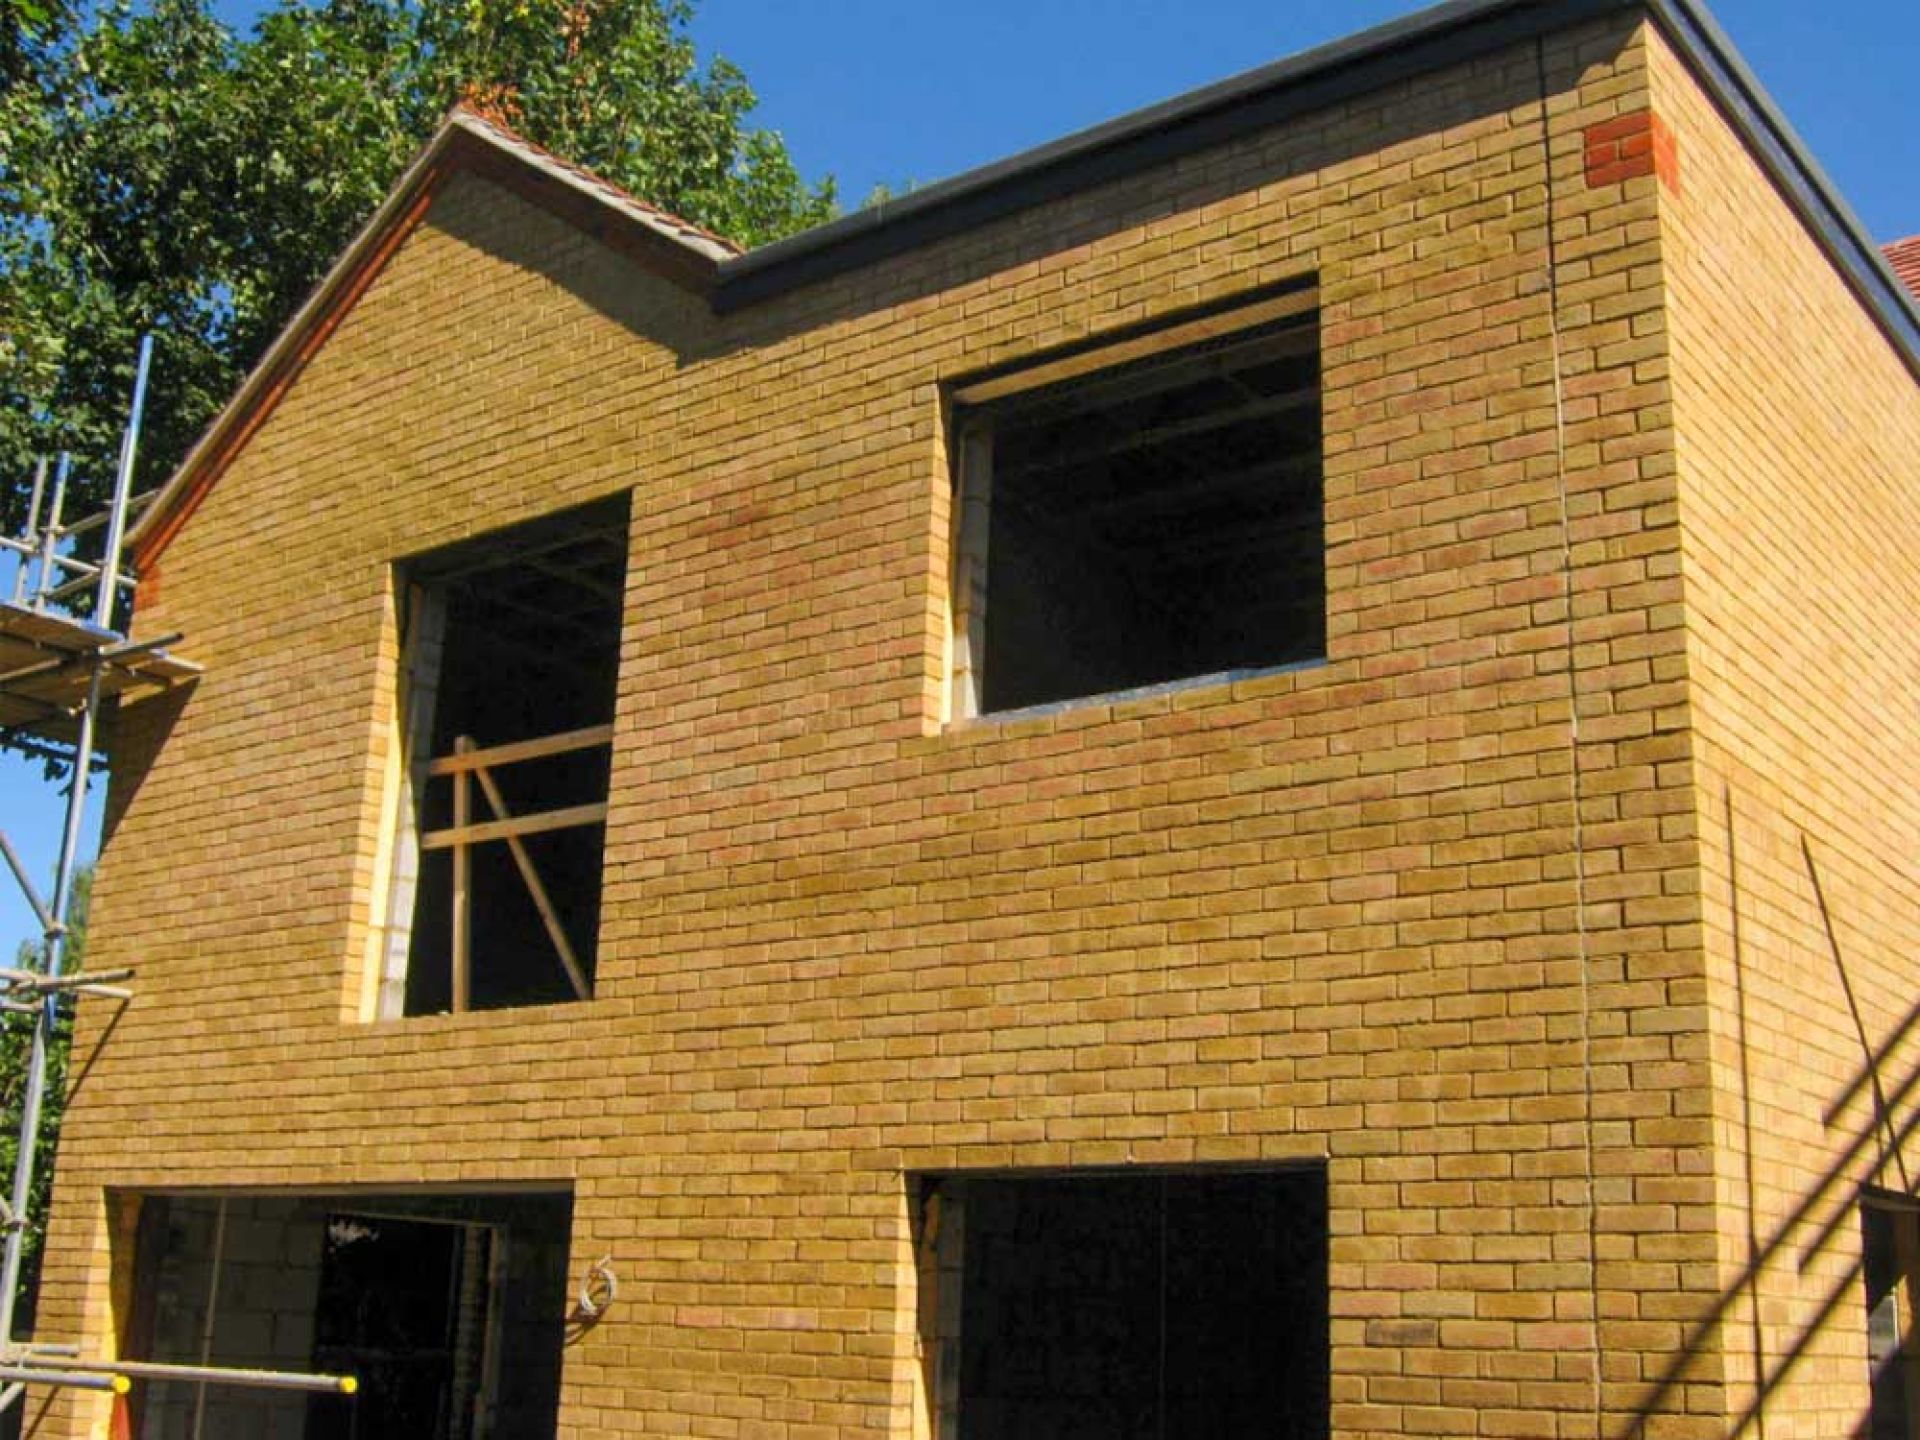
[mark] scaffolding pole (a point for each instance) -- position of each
(57, 669)
(54, 915)
(26, 1365)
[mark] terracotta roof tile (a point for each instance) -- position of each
(716, 247)
(1904, 257)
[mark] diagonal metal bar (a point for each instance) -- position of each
(40, 911)
(1880, 1106)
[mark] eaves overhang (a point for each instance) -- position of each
(1231, 109)
(469, 142)
(1445, 35)
(1433, 39)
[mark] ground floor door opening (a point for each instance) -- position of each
(448, 1309)
(1178, 1305)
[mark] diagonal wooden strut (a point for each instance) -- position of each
(541, 900)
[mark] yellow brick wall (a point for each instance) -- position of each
(1395, 911)
(1798, 437)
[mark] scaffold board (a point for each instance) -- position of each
(47, 660)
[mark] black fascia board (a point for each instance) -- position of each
(1437, 38)
(1778, 149)
(1432, 39)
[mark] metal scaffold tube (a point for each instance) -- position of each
(20, 1375)
(56, 935)
(25, 1366)
(58, 667)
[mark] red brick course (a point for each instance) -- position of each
(1629, 147)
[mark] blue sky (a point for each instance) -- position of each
(890, 91)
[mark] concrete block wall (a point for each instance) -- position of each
(1797, 434)
(1399, 912)
(263, 1316)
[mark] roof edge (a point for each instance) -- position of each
(1444, 34)
(1256, 99)
(1429, 39)
(1780, 151)
(465, 140)
(227, 430)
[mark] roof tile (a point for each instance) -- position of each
(715, 247)
(1904, 257)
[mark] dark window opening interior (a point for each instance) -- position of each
(450, 1310)
(1890, 1263)
(513, 641)
(1155, 521)
(1177, 1306)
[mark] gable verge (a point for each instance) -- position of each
(467, 142)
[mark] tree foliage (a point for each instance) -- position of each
(159, 172)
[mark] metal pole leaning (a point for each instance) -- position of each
(39, 907)
(205, 1374)
(43, 1026)
(122, 491)
(76, 1379)
(57, 934)
(50, 534)
(27, 535)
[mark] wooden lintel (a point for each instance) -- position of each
(572, 817)
(540, 748)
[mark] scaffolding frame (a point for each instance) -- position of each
(63, 659)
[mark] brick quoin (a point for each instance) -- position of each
(1630, 146)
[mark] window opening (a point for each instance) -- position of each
(1173, 1306)
(1890, 1255)
(450, 1310)
(510, 648)
(1154, 519)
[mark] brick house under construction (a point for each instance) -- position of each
(1249, 776)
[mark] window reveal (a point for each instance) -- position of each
(1145, 512)
(510, 647)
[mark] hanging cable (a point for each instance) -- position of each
(1582, 943)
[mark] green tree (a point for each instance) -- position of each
(16, 1039)
(28, 29)
(160, 173)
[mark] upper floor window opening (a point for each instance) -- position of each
(1141, 512)
(510, 646)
